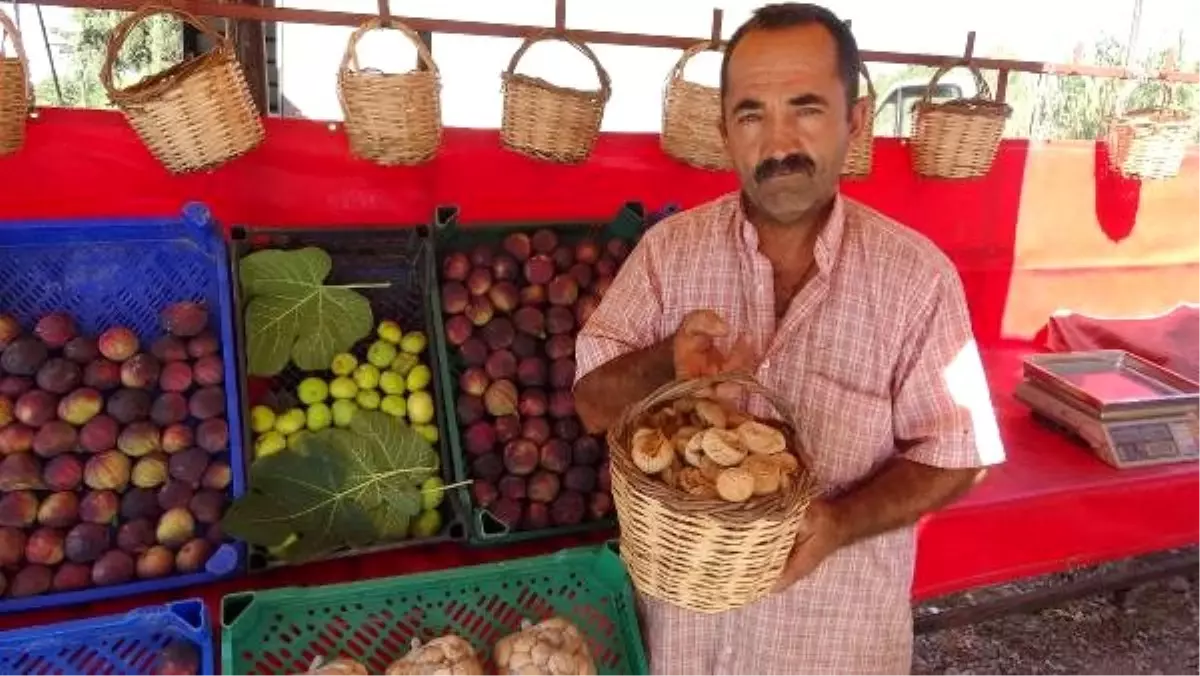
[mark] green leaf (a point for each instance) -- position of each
(291, 314)
(337, 488)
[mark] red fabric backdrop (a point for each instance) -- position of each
(88, 164)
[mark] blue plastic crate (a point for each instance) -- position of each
(127, 643)
(124, 271)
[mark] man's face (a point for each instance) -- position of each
(785, 122)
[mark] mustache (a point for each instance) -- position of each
(796, 162)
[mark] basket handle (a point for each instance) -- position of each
(117, 40)
(551, 34)
(1129, 88)
(350, 58)
(9, 30)
(677, 71)
(681, 388)
(985, 92)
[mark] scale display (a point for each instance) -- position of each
(1131, 412)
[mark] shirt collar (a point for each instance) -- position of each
(829, 241)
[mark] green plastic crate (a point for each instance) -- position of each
(281, 631)
(449, 236)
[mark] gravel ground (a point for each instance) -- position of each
(1153, 632)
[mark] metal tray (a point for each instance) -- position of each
(1111, 381)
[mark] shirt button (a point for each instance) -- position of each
(766, 364)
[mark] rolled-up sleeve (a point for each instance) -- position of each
(629, 314)
(942, 408)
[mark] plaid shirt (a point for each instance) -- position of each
(875, 352)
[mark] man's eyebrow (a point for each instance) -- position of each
(748, 105)
(808, 100)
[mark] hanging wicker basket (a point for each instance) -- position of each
(691, 118)
(703, 553)
(16, 96)
(549, 122)
(958, 138)
(194, 115)
(1149, 143)
(861, 152)
(391, 118)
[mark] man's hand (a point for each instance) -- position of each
(820, 535)
(696, 355)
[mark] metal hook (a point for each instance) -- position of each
(560, 15)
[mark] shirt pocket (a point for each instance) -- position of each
(848, 425)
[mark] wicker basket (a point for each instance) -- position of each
(194, 115)
(1150, 143)
(958, 138)
(705, 555)
(691, 118)
(862, 148)
(391, 118)
(549, 122)
(15, 92)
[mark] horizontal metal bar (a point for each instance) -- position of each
(211, 8)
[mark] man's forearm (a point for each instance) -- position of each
(604, 393)
(897, 496)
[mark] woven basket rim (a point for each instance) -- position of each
(775, 508)
(590, 95)
(1158, 116)
(968, 107)
(151, 88)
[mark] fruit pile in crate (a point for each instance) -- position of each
(116, 463)
(511, 310)
(345, 404)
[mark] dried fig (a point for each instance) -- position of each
(694, 450)
(735, 484)
(681, 437)
(710, 413)
(765, 472)
(447, 654)
(758, 437)
(723, 447)
(692, 481)
(651, 452)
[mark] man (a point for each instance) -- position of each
(857, 321)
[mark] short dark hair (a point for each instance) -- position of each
(792, 14)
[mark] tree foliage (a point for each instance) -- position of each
(154, 44)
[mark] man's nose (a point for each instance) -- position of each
(781, 140)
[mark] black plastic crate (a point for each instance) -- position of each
(401, 256)
(449, 236)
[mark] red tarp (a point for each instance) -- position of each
(1051, 506)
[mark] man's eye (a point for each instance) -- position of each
(806, 111)
(749, 118)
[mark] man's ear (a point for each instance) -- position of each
(860, 116)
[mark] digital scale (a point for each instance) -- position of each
(1131, 412)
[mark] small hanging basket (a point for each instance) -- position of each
(194, 115)
(1149, 143)
(862, 149)
(958, 138)
(16, 96)
(691, 118)
(549, 122)
(693, 549)
(391, 118)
